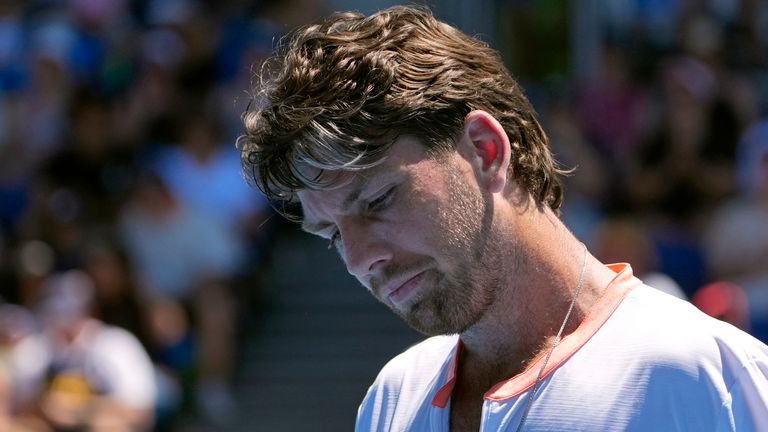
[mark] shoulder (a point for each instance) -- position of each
(659, 358)
(660, 310)
(406, 383)
(117, 348)
(121, 361)
(428, 355)
(682, 344)
(670, 324)
(113, 337)
(709, 361)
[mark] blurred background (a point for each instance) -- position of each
(144, 286)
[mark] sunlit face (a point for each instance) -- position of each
(417, 232)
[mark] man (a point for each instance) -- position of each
(408, 145)
(99, 376)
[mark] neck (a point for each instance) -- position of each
(533, 301)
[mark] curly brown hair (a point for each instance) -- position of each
(342, 90)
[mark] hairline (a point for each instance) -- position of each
(434, 152)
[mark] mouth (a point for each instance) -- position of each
(400, 295)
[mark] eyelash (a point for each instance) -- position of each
(382, 201)
(378, 204)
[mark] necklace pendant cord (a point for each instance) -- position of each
(537, 383)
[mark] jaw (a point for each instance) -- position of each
(448, 303)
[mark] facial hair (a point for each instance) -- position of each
(456, 297)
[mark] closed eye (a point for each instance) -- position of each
(382, 202)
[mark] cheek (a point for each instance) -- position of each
(418, 221)
(409, 232)
(424, 221)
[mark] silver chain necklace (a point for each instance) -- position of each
(537, 383)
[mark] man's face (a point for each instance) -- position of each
(416, 231)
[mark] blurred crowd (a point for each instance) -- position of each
(669, 140)
(130, 244)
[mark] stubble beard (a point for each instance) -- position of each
(454, 299)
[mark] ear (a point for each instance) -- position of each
(486, 146)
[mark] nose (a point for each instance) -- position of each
(363, 247)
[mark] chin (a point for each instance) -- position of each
(432, 322)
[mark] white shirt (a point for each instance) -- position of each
(114, 359)
(640, 361)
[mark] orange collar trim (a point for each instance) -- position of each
(603, 308)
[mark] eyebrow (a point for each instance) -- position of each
(351, 198)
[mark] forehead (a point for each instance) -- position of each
(350, 186)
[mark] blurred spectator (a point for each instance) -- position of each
(155, 93)
(14, 75)
(33, 262)
(12, 46)
(5, 397)
(724, 301)
(99, 378)
(737, 237)
(737, 240)
(102, 45)
(203, 172)
(118, 302)
(116, 296)
(36, 121)
(95, 168)
(40, 113)
(173, 246)
(82, 186)
(627, 240)
(92, 91)
(611, 109)
(684, 164)
(23, 364)
(582, 211)
(698, 134)
(186, 258)
(611, 106)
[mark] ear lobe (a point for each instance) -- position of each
(489, 146)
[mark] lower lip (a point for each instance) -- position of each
(402, 295)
